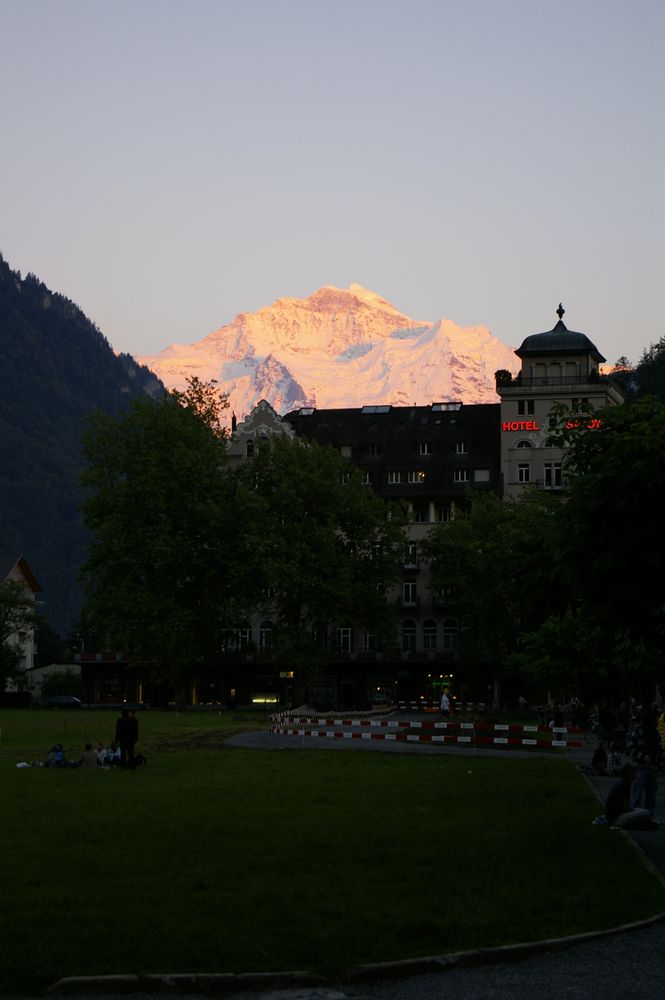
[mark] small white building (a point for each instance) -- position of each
(15, 568)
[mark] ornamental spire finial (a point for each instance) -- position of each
(560, 311)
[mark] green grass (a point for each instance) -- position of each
(236, 860)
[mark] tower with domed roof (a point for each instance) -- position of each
(558, 366)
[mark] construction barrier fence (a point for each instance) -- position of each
(473, 734)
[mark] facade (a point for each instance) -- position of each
(557, 367)
(429, 457)
(15, 568)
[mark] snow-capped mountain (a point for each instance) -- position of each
(338, 348)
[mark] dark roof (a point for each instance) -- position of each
(7, 564)
(559, 340)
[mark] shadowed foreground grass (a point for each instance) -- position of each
(234, 860)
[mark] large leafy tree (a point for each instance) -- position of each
(327, 549)
(494, 559)
(610, 560)
(163, 575)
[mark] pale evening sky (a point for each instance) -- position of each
(167, 165)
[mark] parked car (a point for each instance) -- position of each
(63, 701)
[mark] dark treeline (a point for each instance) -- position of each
(56, 367)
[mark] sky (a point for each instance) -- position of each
(167, 165)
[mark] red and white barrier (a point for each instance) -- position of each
(476, 734)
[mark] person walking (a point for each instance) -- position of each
(445, 704)
(127, 734)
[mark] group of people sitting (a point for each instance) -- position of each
(631, 800)
(120, 752)
(99, 756)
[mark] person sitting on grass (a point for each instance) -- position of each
(618, 811)
(56, 756)
(89, 757)
(113, 755)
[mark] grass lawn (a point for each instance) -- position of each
(213, 860)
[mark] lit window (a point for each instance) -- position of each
(416, 477)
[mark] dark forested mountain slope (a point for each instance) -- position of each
(55, 368)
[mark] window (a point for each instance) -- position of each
(481, 475)
(411, 554)
(266, 637)
(345, 640)
(249, 449)
(461, 448)
(421, 513)
(375, 449)
(382, 408)
(370, 641)
(446, 406)
(425, 448)
(523, 472)
(409, 594)
(344, 477)
(408, 636)
(345, 451)
(553, 478)
(525, 407)
(416, 477)
(394, 477)
(523, 444)
(443, 513)
(429, 634)
(461, 476)
(449, 592)
(580, 406)
(450, 634)
(367, 479)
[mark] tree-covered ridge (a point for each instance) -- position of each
(56, 368)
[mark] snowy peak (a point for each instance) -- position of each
(338, 347)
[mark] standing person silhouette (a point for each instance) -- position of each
(127, 734)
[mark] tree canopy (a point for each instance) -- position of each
(327, 546)
(161, 569)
